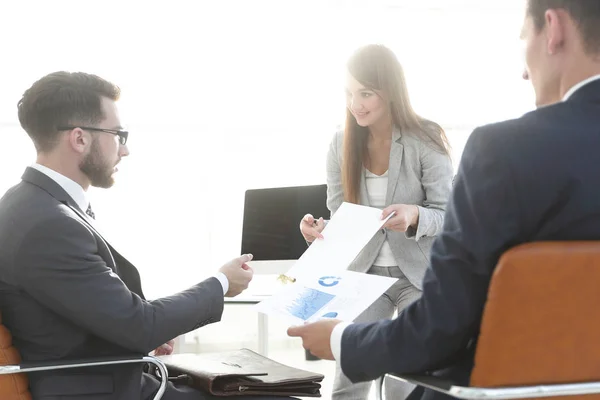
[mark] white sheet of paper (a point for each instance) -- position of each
(341, 296)
(345, 235)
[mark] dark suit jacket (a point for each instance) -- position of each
(66, 294)
(532, 179)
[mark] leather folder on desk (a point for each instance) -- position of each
(242, 372)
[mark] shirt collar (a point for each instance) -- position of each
(579, 86)
(72, 188)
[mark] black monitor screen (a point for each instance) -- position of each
(272, 218)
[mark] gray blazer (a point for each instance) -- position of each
(417, 175)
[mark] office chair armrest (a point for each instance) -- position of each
(497, 393)
(91, 362)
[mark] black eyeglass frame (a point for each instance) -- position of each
(123, 135)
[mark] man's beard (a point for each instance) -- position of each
(95, 167)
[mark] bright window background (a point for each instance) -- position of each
(222, 96)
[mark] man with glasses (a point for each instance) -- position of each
(65, 293)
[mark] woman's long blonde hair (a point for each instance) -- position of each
(377, 68)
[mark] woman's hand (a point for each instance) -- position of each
(405, 216)
(311, 228)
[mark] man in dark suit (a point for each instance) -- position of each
(65, 292)
(530, 179)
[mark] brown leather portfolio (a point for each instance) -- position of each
(242, 372)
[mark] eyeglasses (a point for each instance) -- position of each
(121, 134)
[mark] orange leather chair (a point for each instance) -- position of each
(540, 330)
(13, 380)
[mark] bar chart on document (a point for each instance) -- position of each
(308, 303)
(343, 296)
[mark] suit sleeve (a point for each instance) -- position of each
(59, 267)
(482, 221)
(436, 179)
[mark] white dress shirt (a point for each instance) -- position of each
(77, 193)
(377, 191)
(336, 336)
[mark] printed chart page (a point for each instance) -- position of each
(345, 235)
(340, 296)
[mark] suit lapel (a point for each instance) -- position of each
(127, 271)
(48, 184)
(396, 152)
(87, 222)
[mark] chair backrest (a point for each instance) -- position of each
(12, 386)
(270, 229)
(540, 323)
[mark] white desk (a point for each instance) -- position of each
(263, 322)
(263, 285)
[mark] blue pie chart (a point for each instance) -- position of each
(329, 281)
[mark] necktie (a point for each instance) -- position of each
(89, 212)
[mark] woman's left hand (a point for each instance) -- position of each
(405, 215)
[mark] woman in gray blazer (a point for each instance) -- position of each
(387, 157)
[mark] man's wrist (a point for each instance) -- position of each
(224, 281)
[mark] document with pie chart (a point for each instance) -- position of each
(341, 296)
(322, 286)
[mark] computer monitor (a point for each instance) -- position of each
(271, 223)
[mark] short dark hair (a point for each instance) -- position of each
(586, 13)
(62, 98)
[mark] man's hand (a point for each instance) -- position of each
(405, 216)
(316, 337)
(165, 349)
(238, 273)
